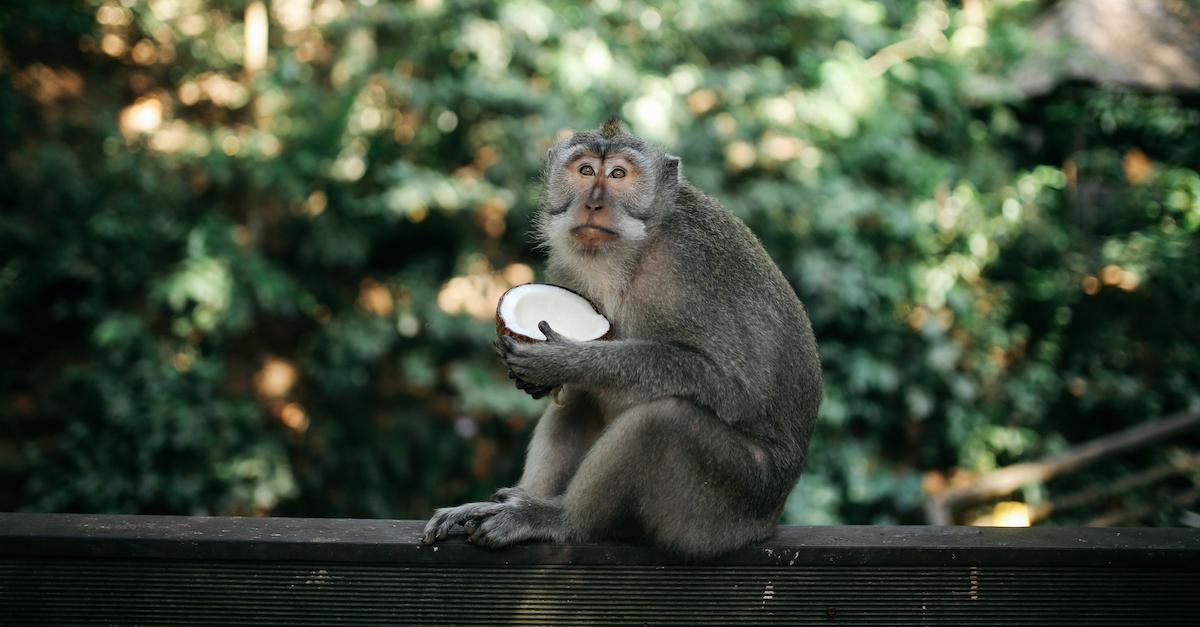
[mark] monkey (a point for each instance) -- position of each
(690, 427)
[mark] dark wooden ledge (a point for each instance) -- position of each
(61, 568)
(398, 541)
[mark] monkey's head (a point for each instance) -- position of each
(605, 189)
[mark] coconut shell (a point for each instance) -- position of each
(502, 329)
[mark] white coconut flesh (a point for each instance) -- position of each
(568, 313)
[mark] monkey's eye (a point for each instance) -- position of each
(617, 173)
(586, 170)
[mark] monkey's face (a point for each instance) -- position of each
(602, 183)
(597, 197)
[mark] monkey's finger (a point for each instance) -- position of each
(528, 367)
(525, 354)
(506, 346)
(551, 334)
(524, 375)
(538, 392)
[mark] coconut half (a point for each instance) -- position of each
(521, 308)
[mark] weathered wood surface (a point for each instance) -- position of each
(70, 569)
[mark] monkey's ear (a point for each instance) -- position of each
(672, 169)
(670, 178)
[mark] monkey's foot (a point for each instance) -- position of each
(445, 519)
(519, 518)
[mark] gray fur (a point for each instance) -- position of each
(690, 427)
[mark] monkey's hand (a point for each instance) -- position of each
(541, 364)
(536, 391)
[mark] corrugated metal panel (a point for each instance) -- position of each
(62, 591)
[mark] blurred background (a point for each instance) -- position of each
(250, 251)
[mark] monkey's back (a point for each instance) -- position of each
(740, 312)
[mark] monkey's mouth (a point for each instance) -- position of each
(592, 236)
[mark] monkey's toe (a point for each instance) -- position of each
(439, 527)
(486, 534)
(434, 530)
(506, 527)
(504, 494)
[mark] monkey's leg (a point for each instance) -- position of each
(560, 440)
(692, 483)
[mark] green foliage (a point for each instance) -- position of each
(269, 291)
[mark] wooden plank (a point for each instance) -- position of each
(62, 569)
(365, 540)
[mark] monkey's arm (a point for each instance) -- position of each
(644, 370)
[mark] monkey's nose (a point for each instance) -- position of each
(593, 205)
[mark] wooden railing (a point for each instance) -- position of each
(151, 570)
(940, 508)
